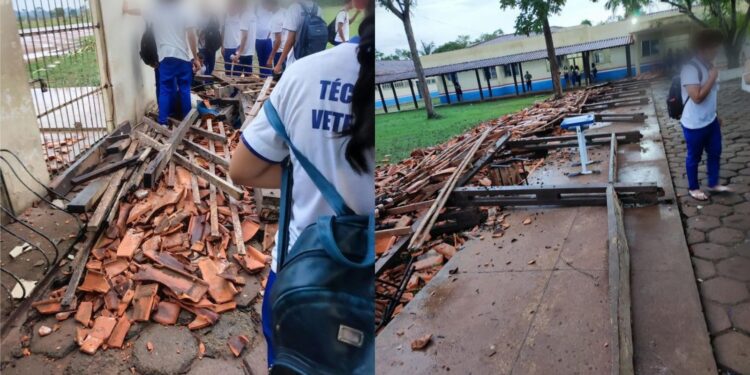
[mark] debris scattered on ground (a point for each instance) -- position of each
(422, 342)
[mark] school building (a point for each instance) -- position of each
(497, 67)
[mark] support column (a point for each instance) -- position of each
(520, 71)
(382, 99)
(445, 87)
(637, 44)
(414, 97)
(487, 77)
(628, 62)
(395, 96)
(479, 83)
(515, 81)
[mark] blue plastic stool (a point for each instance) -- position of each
(580, 124)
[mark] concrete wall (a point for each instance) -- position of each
(18, 126)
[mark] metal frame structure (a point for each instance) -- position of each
(52, 32)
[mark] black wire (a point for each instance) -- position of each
(46, 258)
(17, 280)
(80, 224)
(52, 192)
(57, 251)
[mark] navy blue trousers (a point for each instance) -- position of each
(228, 52)
(209, 60)
(247, 65)
(175, 77)
(263, 50)
(707, 138)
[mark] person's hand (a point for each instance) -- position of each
(236, 58)
(197, 64)
(270, 61)
(277, 69)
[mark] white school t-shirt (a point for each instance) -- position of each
(170, 22)
(232, 32)
(342, 17)
(249, 22)
(295, 16)
(694, 115)
(277, 27)
(313, 100)
(263, 25)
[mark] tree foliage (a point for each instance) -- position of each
(532, 13)
(427, 48)
(586, 22)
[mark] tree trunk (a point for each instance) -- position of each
(553, 68)
(418, 68)
(732, 53)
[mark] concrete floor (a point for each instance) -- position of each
(499, 314)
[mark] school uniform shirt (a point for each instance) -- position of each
(295, 15)
(342, 17)
(694, 115)
(248, 24)
(263, 22)
(170, 22)
(232, 30)
(277, 27)
(314, 103)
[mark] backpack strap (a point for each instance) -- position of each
(328, 191)
(285, 213)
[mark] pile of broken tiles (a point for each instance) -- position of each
(159, 258)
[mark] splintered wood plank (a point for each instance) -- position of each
(104, 170)
(89, 196)
(156, 167)
(237, 226)
(264, 91)
(213, 206)
(108, 198)
(193, 179)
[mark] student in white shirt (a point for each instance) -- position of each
(278, 35)
(176, 43)
(701, 125)
(232, 35)
(263, 44)
(327, 108)
(246, 49)
(293, 21)
(343, 21)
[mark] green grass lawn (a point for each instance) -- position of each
(398, 134)
(69, 70)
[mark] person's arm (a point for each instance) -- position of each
(126, 9)
(274, 48)
(340, 30)
(193, 43)
(698, 92)
(291, 37)
(247, 169)
(241, 48)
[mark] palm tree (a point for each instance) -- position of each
(402, 10)
(427, 48)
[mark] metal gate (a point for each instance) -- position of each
(67, 88)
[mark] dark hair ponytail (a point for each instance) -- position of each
(362, 129)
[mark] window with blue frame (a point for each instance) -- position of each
(649, 48)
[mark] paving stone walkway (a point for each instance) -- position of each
(718, 230)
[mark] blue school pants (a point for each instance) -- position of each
(247, 65)
(175, 78)
(209, 60)
(263, 50)
(228, 52)
(707, 138)
(266, 318)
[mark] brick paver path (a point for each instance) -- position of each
(718, 230)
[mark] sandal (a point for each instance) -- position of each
(698, 195)
(720, 189)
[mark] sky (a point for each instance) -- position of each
(441, 21)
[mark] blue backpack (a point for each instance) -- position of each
(312, 36)
(323, 298)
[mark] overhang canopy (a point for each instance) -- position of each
(391, 71)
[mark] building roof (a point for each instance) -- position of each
(403, 70)
(508, 37)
